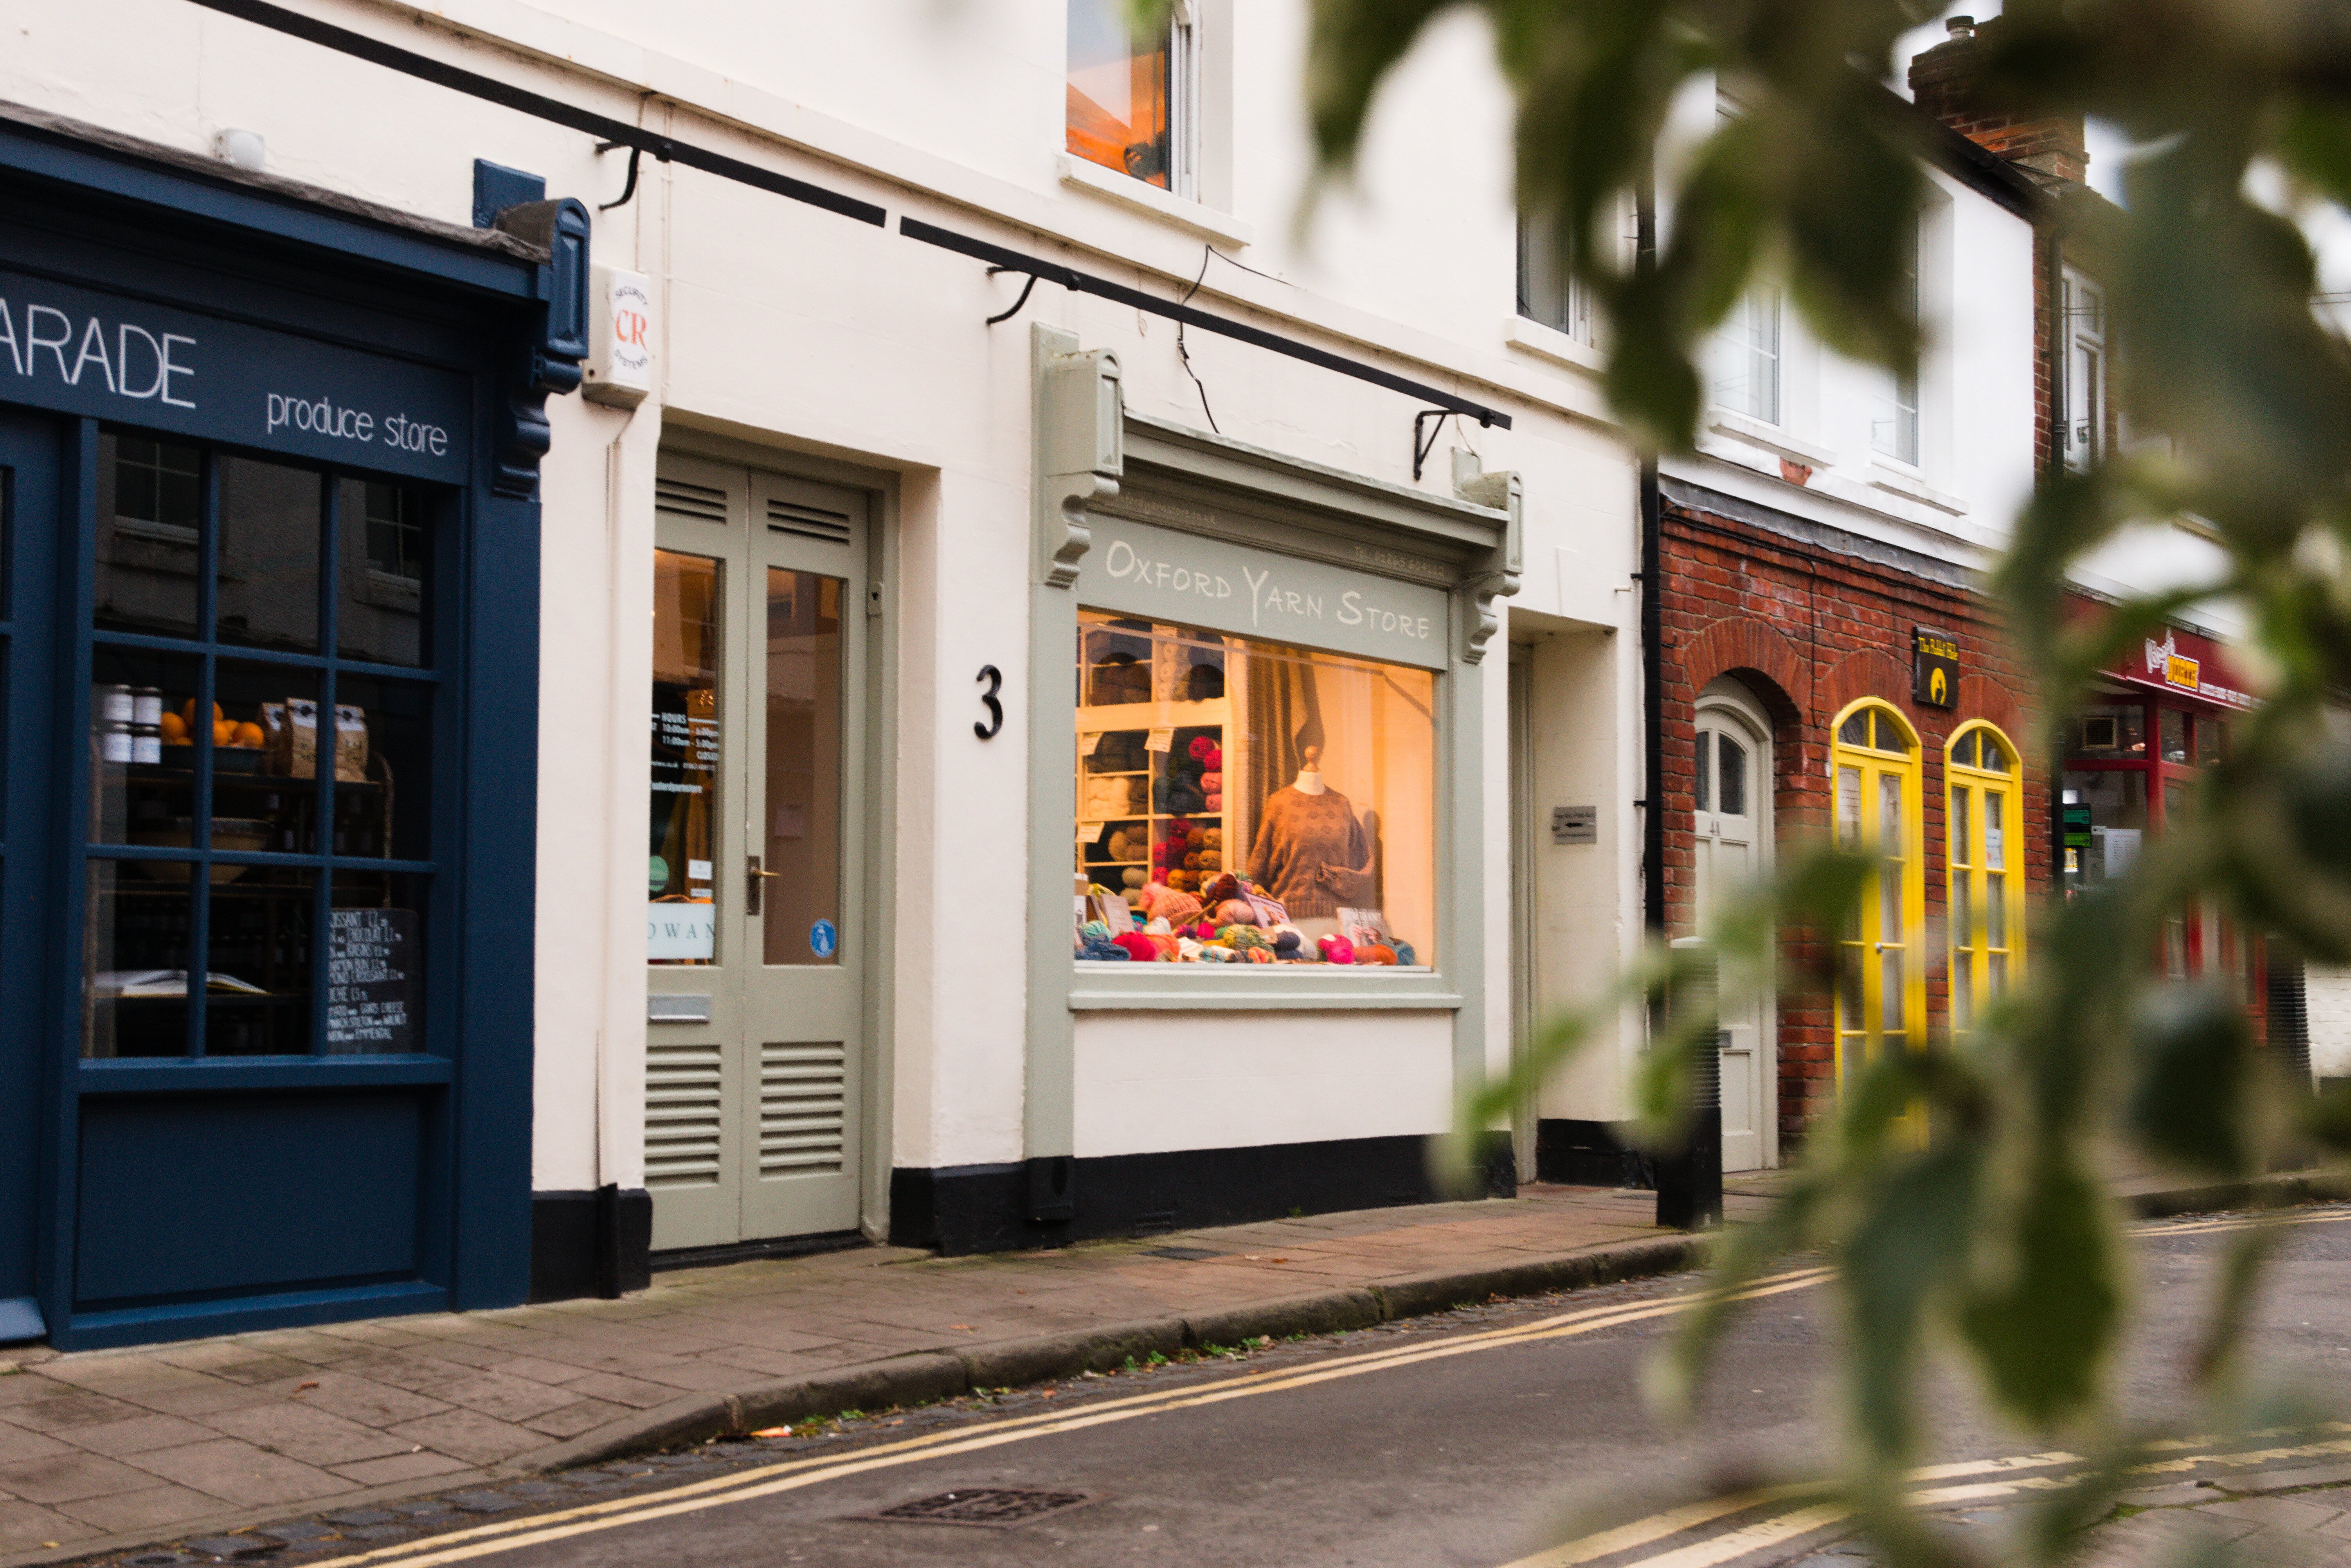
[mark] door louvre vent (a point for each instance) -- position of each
(701, 503)
(807, 522)
(803, 1108)
(684, 1114)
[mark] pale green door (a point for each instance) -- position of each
(755, 878)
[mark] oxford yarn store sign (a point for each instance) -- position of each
(80, 351)
(1218, 586)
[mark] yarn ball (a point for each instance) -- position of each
(1215, 803)
(1201, 746)
(1209, 860)
(1120, 848)
(1405, 955)
(1204, 932)
(1214, 758)
(1376, 953)
(1137, 947)
(1192, 861)
(1336, 949)
(1213, 781)
(1132, 876)
(1093, 931)
(1260, 955)
(1287, 942)
(1212, 838)
(1169, 949)
(1235, 911)
(1100, 951)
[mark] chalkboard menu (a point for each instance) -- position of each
(370, 981)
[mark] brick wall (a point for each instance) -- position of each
(1809, 630)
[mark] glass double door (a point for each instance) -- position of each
(755, 878)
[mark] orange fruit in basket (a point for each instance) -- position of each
(249, 733)
(224, 732)
(175, 730)
(188, 713)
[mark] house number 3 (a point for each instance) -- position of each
(995, 679)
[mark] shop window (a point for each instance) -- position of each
(261, 843)
(1244, 802)
(1129, 93)
(1894, 423)
(1983, 824)
(1548, 294)
(1881, 995)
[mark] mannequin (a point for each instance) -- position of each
(1312, 852)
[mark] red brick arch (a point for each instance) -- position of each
(1871, 672)
(1982, 697)
(1738, 643)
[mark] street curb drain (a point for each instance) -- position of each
(984, 1507)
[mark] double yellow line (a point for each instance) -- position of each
(793, 1475)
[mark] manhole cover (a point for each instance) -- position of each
(994, 1507)
(1185, 1252)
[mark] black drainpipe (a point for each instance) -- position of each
(1653, 697)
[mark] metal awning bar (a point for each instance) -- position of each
(423, 67)
(621, 133)
(1078, 282)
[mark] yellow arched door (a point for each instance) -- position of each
(1984, 835)
(1873, 779)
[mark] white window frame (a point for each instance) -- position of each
(1538, 243)
(2088, 364)
(1183, 102)
(1894, 423)
(1750, 332)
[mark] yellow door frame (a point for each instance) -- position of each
(1980, 967)
(1873, 745)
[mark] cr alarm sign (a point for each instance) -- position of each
(619, 369)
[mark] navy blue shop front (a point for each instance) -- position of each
(269, 543)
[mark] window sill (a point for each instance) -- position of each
(1550, 343)
(1770, 437)
(1222, 227)
(1888, 477)
(1204, 987)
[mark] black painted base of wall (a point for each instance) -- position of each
(1590, 1153)
(590, 1243)
(987, 1209)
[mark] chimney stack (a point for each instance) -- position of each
(1945, 80)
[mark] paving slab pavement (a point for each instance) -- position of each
(102, 1446)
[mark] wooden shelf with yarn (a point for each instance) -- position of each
(1127, 726)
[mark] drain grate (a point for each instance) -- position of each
(1187, 1253)
(993, 1508)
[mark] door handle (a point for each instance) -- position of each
(752, 877)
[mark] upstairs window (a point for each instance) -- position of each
(1128, 93)
(1548, 294)
(2085, 306)
(1894, 423)
(1746, 356)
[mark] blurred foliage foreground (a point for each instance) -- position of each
(1956, 1188)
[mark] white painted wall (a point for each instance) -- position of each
(806, 333)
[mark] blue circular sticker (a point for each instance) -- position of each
(824, 938)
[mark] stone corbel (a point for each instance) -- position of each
(1498, 577)
(1080, 447)
(550, 362)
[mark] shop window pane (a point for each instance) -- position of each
(1848, 808)
(1963, 991)
(2175, 948)
(681, 885)
(1118, 91)
(382, 752)
(1961, 840)
(2114, 801)
(1996, 973)
(135, 960)
(1963, 912)
(1745, 355)
(1995, 909)
(2211, 738)
(1890, 996)
(2175, 799)
(1702, 786)
(1734, 779)
(2175, 734)
(799, 903)
(386, 572)
(1855, 730)
(266, 745)
(375, 965)
(1891, 839)
(150, 517)
(257, 991)
(1995, 830)
(1994, 756)
(2116, 731)
(1851, 1013)
(270, 537)
(1963, 751)
(1311, 775)
(141, 760)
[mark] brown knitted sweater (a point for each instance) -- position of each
(1311, 853)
